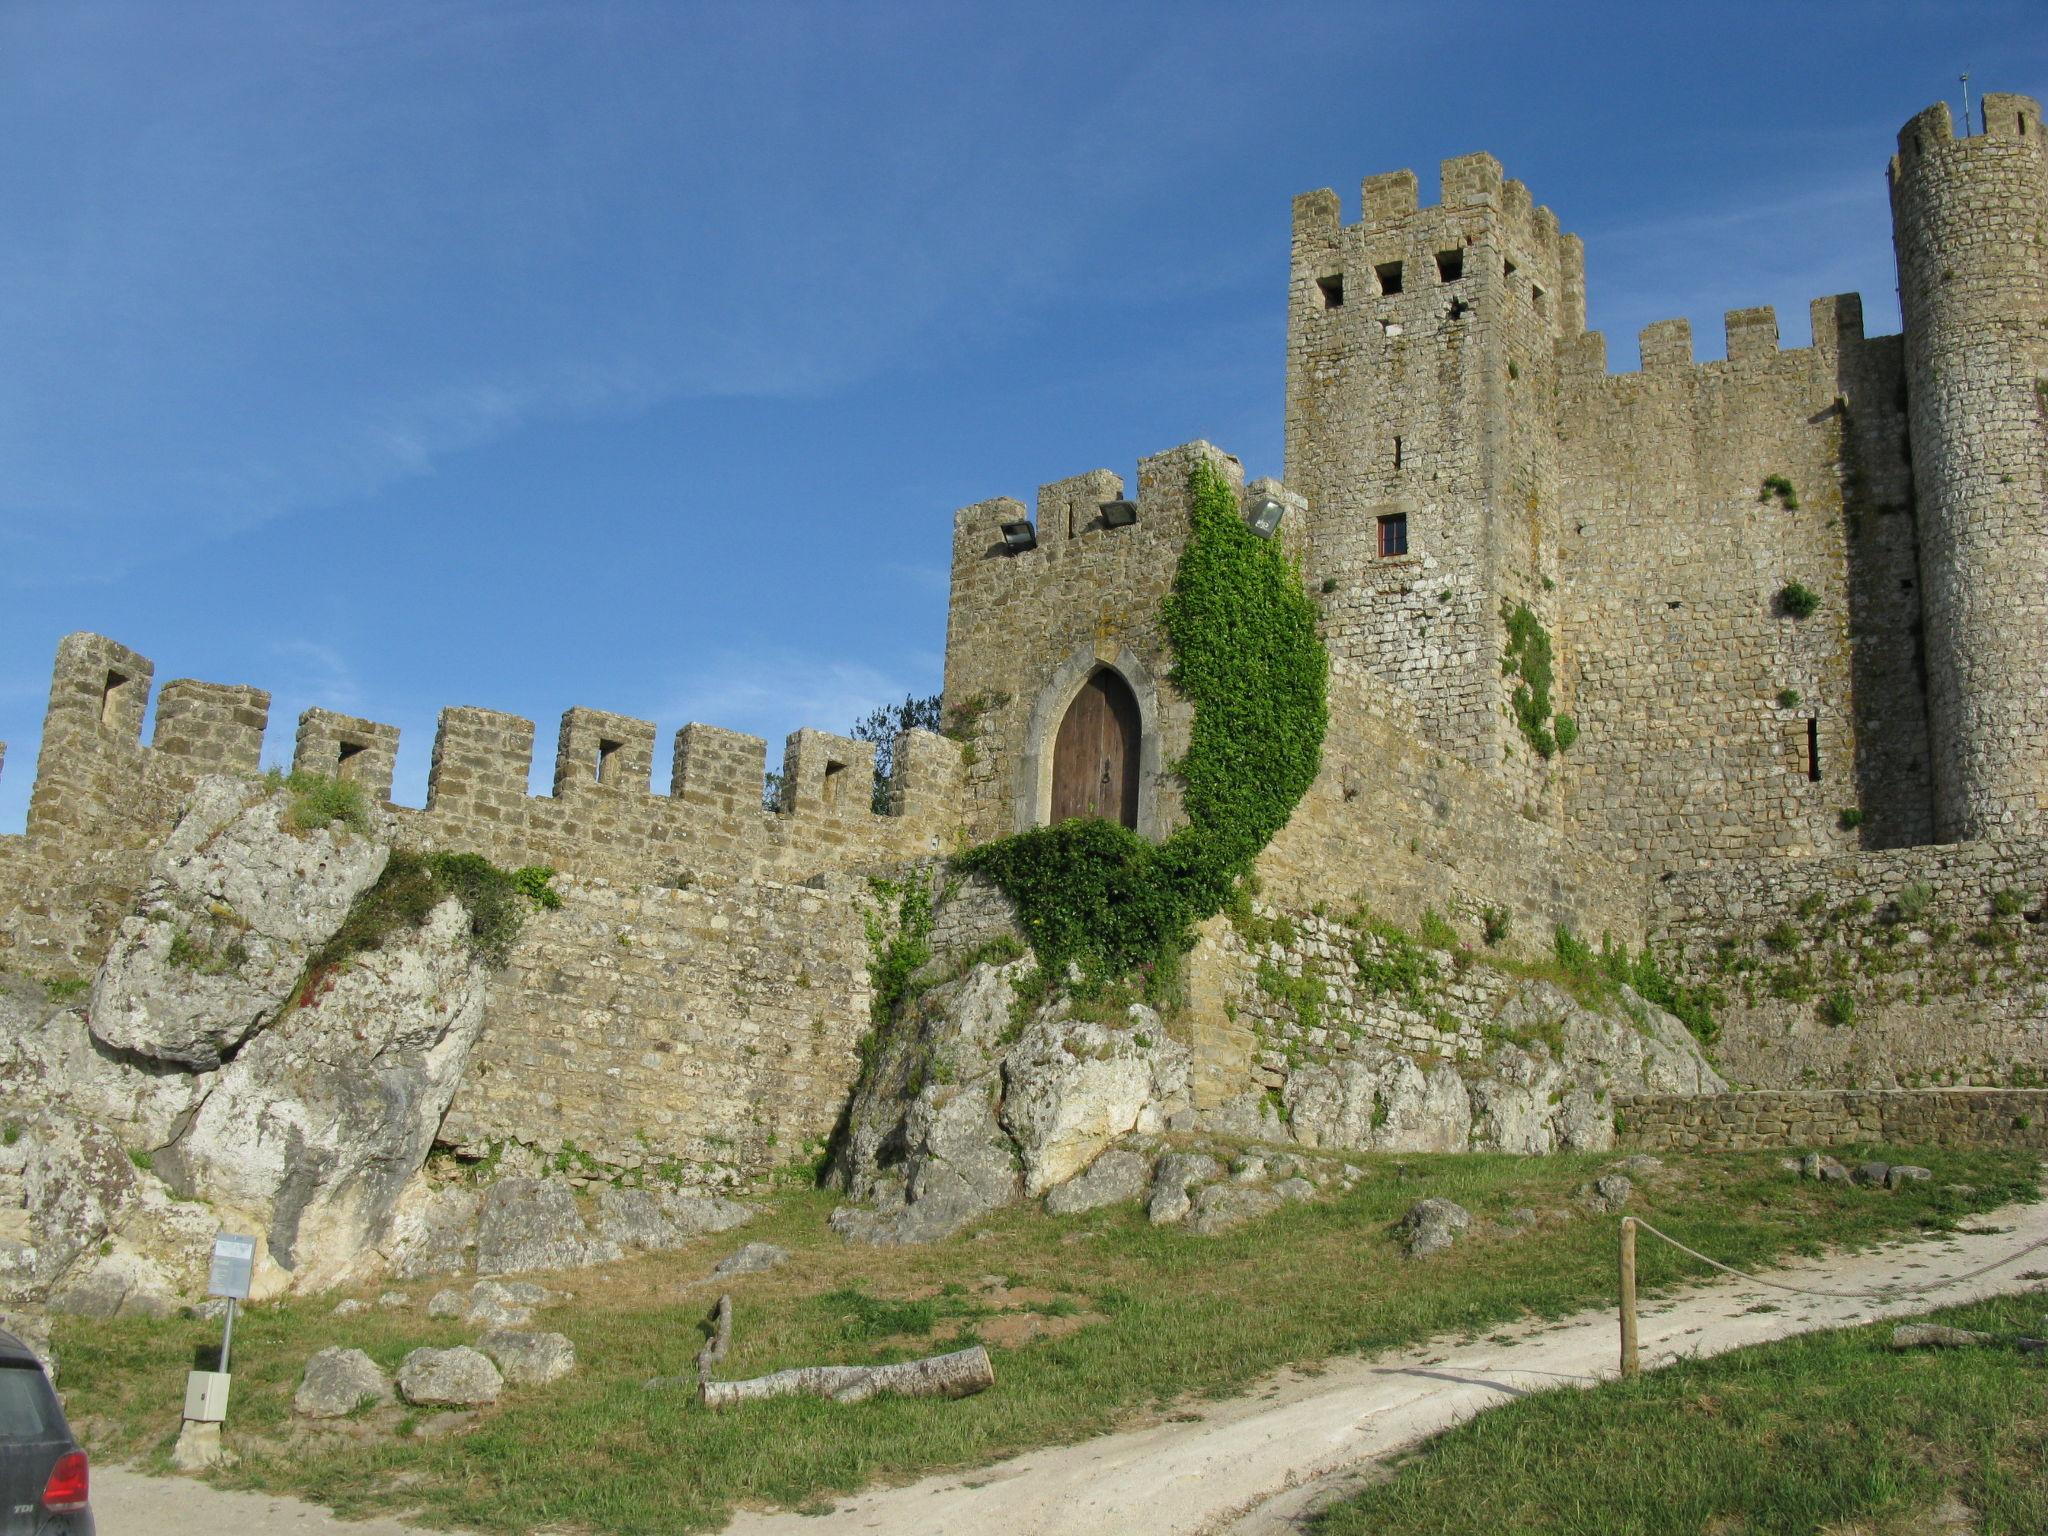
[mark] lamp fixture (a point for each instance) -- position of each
(1118, 514)
(1264, 516)
(1019, 536)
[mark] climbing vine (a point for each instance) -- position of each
(1527, 657)
(1247, 657)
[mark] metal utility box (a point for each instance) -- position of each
(206, 1396)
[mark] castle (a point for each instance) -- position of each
(1683, 655)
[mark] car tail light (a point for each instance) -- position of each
(66, 1488)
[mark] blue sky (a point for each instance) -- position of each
(397, 355)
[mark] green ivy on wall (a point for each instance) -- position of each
(1247, 657)
(1528, 657)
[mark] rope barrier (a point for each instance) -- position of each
(1886, 1293)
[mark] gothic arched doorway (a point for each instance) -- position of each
(1095, 756)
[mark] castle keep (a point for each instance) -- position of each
(1693, 656)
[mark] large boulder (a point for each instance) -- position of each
(1223, 1206)
(433, 1230)
(656, 1221)
(535, 1224)
(529, 1359)
(89, 1229)
(237, 901)
(449, 1378)
(1070, 1088)
(313, 1131)
(1379, 1099)
(339, 1381)
(1119, 1174)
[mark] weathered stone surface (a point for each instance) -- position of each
(1610, 1192)
(448, 1378)
(1431, 1226)
(1117, 1175)
(1935, 1336)
(316, 1127)
(433, 1230)
(448, 1303)
(753, 1259)
(339, 1381)
(495, 1305)
(529, 1359)
(235, 903)
(1295, 1189)
(1220, 1207)
(529, 1224)
(1176, 1173)
(1070, 1088)
(656, 1221)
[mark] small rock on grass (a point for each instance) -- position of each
(1118, 1175)
(1296, 1188)
(1902, 1174)
(1609, 1192)
(752, 1260)
(449, 1378)
(1872, 1175)
(529, 1359)
(337, 1382)
(1223, 1206)
(1936, 1336)
(392, 1301)
(350, 1307)
(1431, 1226)
(450, 1303)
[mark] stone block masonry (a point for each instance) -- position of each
(1901, 968)
(703, 1036)
(1751, 1122)
(102, 800)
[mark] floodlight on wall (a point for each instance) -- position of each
(1118, 514)
(1019, 536)
(1264, 515)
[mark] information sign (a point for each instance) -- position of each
(234, 1263)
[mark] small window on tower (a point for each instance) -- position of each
(351, 760)
(1389, 274)
(1450, 265)
(1331, 290)
(1394, 535)
(1397, 453)
(1536, 298)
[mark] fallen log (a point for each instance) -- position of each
(960, 1374)
(720, 1341)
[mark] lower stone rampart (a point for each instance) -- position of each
(1746, 1122)
(704, 1035)
(1904, 968)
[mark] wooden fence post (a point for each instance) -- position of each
(1629, 1363)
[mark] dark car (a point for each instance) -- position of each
(42, 1469)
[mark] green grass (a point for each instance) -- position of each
(1159, 1316)
(1827, 1432)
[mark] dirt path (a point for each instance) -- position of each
(1254, 1465)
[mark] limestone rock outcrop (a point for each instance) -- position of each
(961, 1112)
(235, 905)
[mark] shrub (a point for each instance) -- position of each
(1784, 938)
(1798, 600)
(412, 886)
(1913, 900)
(1849, 818)
(319, 801)
(1780, 487)
(1494, 923)
(2008, 903)
(1437, 932)
(1788, 698)
(1838, 1007)
(1567, 731)
(536, 884)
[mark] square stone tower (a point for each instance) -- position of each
(1421, 399)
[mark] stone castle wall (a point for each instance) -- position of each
(1892, 969)
(1970, 220)
(1715, 724)
(1751, 1122)
(705, 1034)
(102, 800)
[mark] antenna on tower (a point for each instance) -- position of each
(1966, 103)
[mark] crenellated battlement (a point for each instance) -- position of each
(1750, 338)
(99, 790)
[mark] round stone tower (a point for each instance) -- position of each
(1970, 223)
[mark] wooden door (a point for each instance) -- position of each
(1095, 758)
